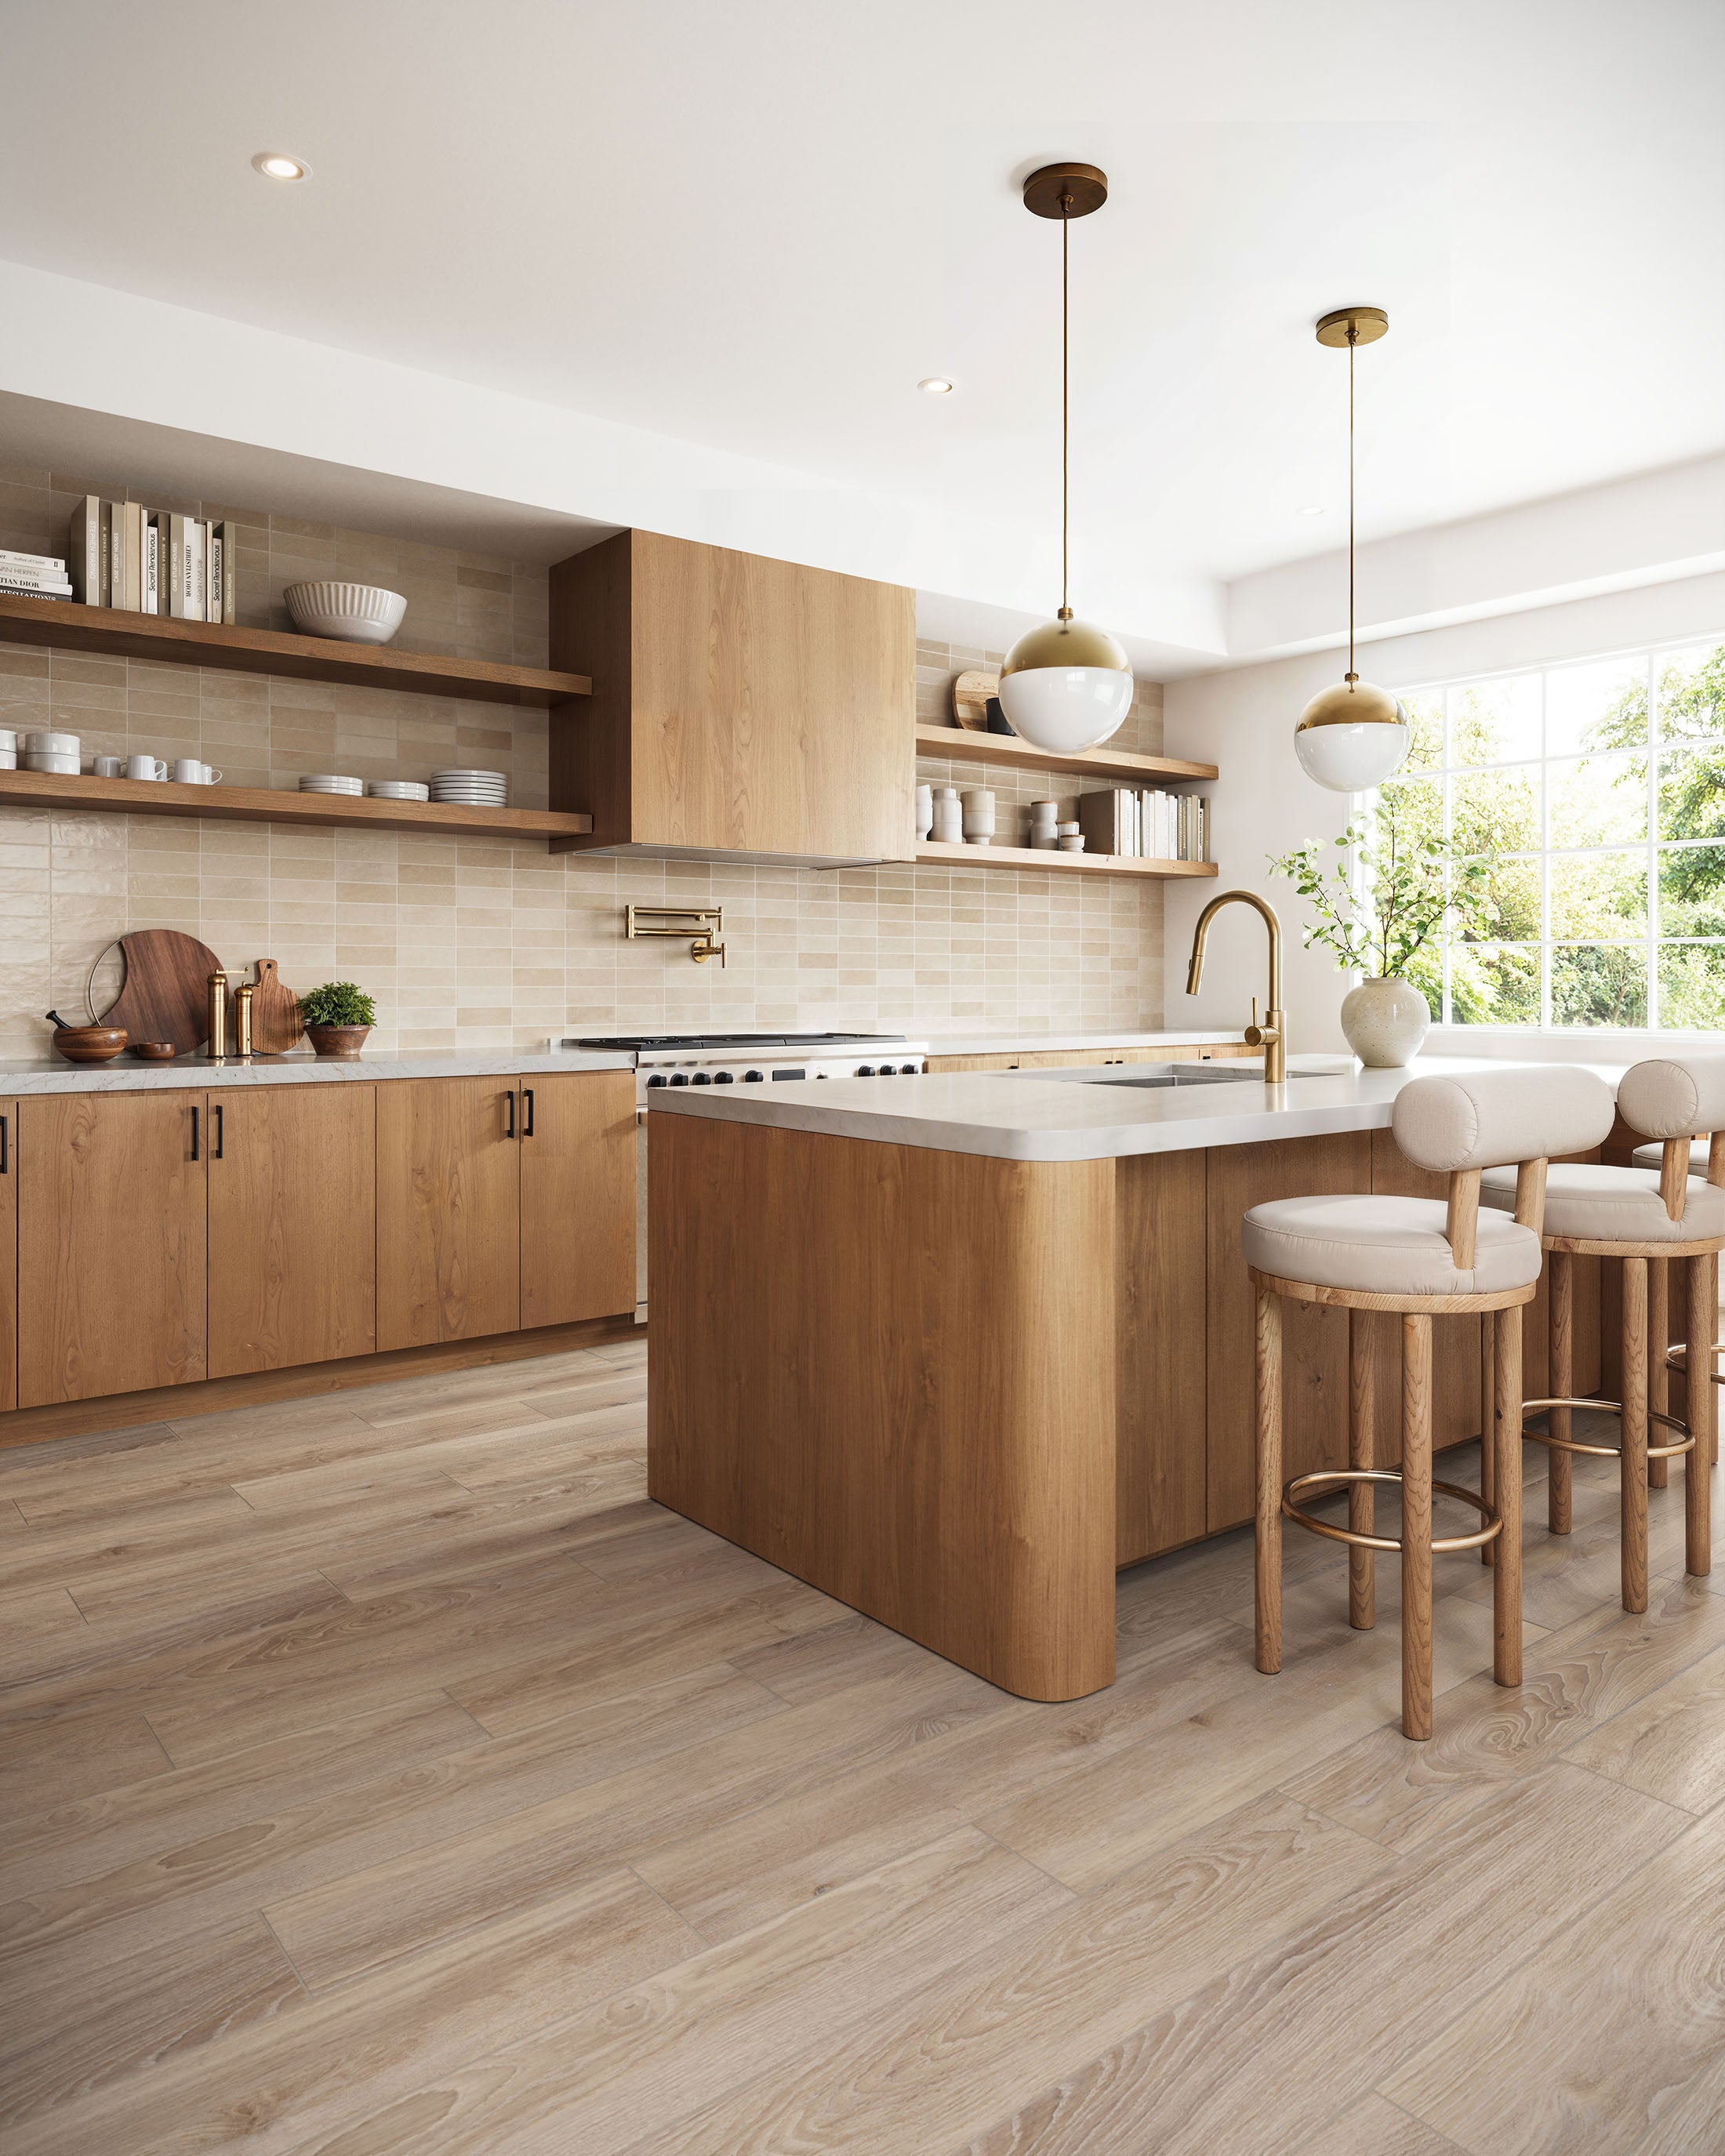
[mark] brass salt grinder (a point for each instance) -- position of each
(218, 1016)
(243, 1019)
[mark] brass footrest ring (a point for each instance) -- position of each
(1677, 1358)
(1337, 1478)
(1604, 1451)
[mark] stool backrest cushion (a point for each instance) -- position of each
(1674, 1096)
(1498, 1118)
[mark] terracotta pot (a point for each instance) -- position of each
(1385, 1021)
(342, 1040)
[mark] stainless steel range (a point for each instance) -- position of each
(742, 1059)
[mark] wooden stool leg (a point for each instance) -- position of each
(1361, 1497)
(1659, 1338)
(1562, 1368)
(1635, 1434)
(1269, 1532)
(1506, 1584)
(1416, 1527)
(1712, 1335)
(1488, 1433)
(1697, 1471)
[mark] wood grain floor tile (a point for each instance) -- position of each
(647, 2059)
(47, 1761)
(31, 1612)
(1313, 2021)
(79, 2019)
(1409, 1795)
(1621, 2011)
(1375, 2127)
(267, 2089)
(1670, 1744)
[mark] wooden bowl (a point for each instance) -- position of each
(153, 1051)
(90, 1044)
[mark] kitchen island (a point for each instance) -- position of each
(955, 1353)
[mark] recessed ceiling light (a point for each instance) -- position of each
(277, 165)
(937, 385)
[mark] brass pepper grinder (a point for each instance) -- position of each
(217, 1015)
(243, 1019)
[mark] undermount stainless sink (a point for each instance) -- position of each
(1229, 1072)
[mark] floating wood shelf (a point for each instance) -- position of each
(957, 744)
(122, 634)
(1035, 857)
(262, 804)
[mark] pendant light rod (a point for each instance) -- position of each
(1352, 346)
(1065, 192)
(1065, 613)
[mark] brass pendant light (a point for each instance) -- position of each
(1352, 737)
(1066, 685)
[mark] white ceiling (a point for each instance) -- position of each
(754, 225)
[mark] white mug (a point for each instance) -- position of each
(189, 771)
(145, 766)
(108, 766)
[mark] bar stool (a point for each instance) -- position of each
(1646, 1218)
(1662, 1357)
(1420, 1258)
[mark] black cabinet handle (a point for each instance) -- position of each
(194, 1133)
(217, 1150)
(5, 1146)
(509, 1132)
(528, 1126)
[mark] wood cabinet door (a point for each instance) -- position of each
(8, 1255)
(448, 1209)
(112, 1273)
(577, 1195)
(293, 1254)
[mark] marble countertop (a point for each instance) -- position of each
(1043, 1043)
(21, 1075)
(1087, 1115)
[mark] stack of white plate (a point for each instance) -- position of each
(473, 789)
(397, 789)
(327, 782)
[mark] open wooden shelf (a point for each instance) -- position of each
(262, 804)
(1059, 864)
(957, 744)
(122, 634)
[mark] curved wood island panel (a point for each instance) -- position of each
(890, 1372)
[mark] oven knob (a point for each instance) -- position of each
(724, 1077)
(678, 1078)
(907, 1070)
(864, 1069)
(887, 1070)
(702, 1078)
(657, 1079)
(753, 1077)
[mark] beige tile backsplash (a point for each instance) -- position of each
(476, 942)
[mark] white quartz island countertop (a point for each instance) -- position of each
(1089, 1115)
(24, 1075)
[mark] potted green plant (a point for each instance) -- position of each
(1377, 905)
(337, 1016)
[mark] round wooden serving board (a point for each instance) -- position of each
(275, 1013)
(971, 693)
(164, 994)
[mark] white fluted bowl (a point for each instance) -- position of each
(354, 613)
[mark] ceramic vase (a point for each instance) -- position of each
(1385, 1021)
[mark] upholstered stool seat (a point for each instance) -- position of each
(1589, 1204)
(1387, 1246)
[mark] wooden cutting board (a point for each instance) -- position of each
(275, 1013)
(971, 692)
(164, 994)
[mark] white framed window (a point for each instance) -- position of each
(1595, 790)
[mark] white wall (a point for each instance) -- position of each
(1243, 720)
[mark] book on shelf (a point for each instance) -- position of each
(226, 608)
(31, 588)
(55, 582)
(193, 602)
(1109, 820)
(53, 565)
(133, 514)
(87, 551)
(213, 571)
(153, 561)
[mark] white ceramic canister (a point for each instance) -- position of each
(925, 811)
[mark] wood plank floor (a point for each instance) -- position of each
(383, 1775)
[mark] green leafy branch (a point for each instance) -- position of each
(1386, 892)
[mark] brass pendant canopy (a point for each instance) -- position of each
(1351, 737)
(1066, 685)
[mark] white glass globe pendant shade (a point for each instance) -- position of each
(1065, 686)
(1351, 737)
